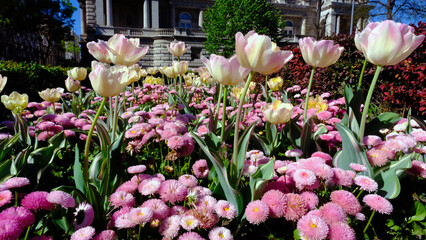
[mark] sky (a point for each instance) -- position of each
(76, 16)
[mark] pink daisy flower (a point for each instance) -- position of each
(343, 177)
(169, 227)
(293, 153)
(378, 203)
(128, 187)
(123, 221)
(136, 169)
(149, 186)
(340, 231)
(85, 233)
(5, 197)
(189, 222)
(276, 201)
(36, 201)
(85, 210)
(140, 215)
(419, 135)
(188, 180)
(324, 115)
(16, 182)
(327, 158)
(257, 212)
(200, 168)
(121, 199)
(172, 191)
(61, 198)
(347, 201)
(371, 140)
(377, 157)
(303, 177)
(21, 215)
(190, 236)
(312, 227)
(159, 209)
(106, 235)
(220, 233)
(225, 209)
(358, 167)
(360, 216)
(207, 202)
(296, 207)
(311, 199)
(177, 210)
(332, 212)
(366, 183)
(10, 230)
(42, 237)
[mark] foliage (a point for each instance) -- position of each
(225, 18)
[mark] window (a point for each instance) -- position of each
(185, 20)
(288, 29)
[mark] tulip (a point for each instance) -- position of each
(275, 83)
(3, 81)
(131, 76)
(321, 53)
(151, 71)
(180, 67)
(169, 72)
(125, 51)
(106, 80)
(99, 51)
(259, 53)
(277, 112)
(387, 42)
(77, 73)
(225, 71)
(15, 102)
(177, 48)
(143, 73)
(51, 94)
(72, 85)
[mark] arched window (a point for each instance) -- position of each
(185, 20)
(288, 29)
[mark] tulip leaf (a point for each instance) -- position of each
(6, 145)
(306, 143)
(419, 121)
(101, 133)
(78, 173)
(243, 146)
(294, 131)
(265, 146)
(260, 179)
(388, 176)
(351, 151)
(233, 196)
(384, 120)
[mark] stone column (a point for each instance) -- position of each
(303, 27)
(146, 14)
(100, 18)
(155, 14)
(83, 19)
(200, 18)
(173, 17)
(109, 12)
(337, 25)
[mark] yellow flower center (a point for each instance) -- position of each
(313, 225)
(141, 213)
(220, 235)
(226, 209)
(256, 209)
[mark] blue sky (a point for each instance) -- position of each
(76, 16)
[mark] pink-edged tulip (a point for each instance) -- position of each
(277, 112)
(72, 85)
(259, 53)
(106, 80)
(15, 102)
(387, 42)
(3, 81)
(125, 51)
(77, 73)
(177, 48)
(99, 50)
(51, 94)
(225, 71)
(321, 53)
(180, 67)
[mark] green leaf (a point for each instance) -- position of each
(243, 143)
(306, 143)
(420, 212)
(231, 194)
(260, 179)
(389, 176)
(351, 151)
(384, 120)
(78, 173)
(265, 146)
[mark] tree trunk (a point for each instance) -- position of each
(389, 8)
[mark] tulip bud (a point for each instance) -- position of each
(151, 71)
(124, 51)
(169, 72)
(180, 67)
(177, 48)
(275, 84)
(321, 53)
(3, 81)
(77, 73)
(106, 80)
(226, 72)
(99, 51)
(15, 102)
(277, 112)
(51, 94)
(72, 85)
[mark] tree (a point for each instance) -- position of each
(225, 18)
(44, 24)
(399, 10)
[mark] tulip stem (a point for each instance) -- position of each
(219, 98)
(234, 163)
(114, 126)
(362, 74)
(266, 85)
(180, 86)
(89, 138)
(305, 112)
(222, 132)
(367, 103)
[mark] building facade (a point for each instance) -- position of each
(158, 22)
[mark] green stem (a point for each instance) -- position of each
(362, 74)
(266, 84)
(305, 113)
(115, 119)
(219, 99)
(124, 99)
(89, 138)
(16, 198)
(369, 221)
(367, 103)
(133, 93)
(139, 232)
(27, 233)
(222, 132)
(234, 162)
(180, 85)
(359, 194)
